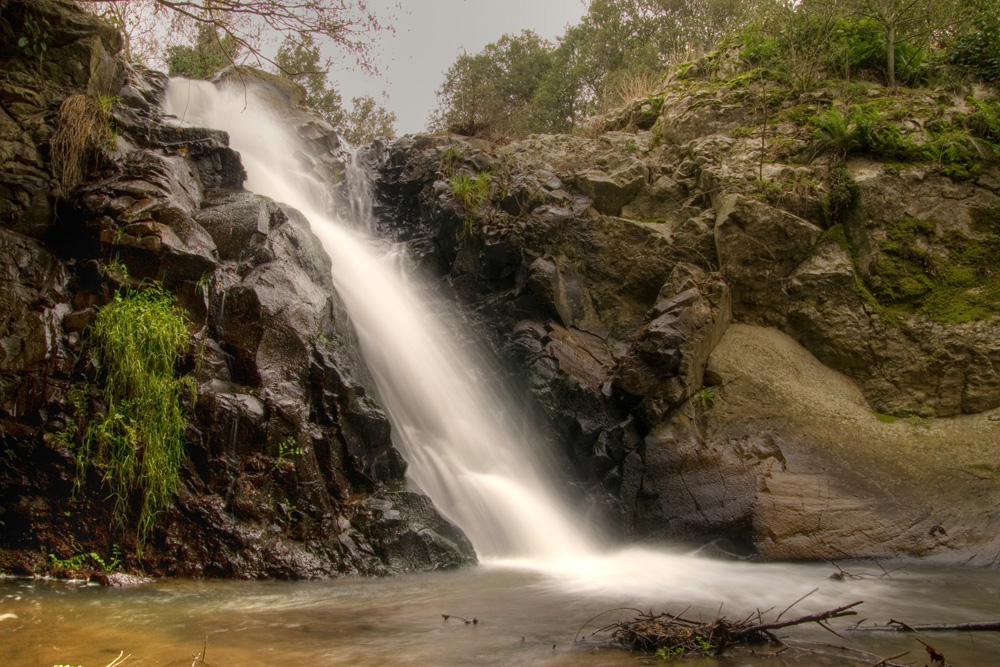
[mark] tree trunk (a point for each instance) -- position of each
(890, 39)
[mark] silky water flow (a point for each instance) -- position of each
(462, 445)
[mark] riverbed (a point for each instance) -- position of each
(522, 616)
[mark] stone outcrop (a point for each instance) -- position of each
(609, 270)
(290, 469)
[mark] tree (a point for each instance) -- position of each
(978, 49)
(210, 52)
(298, 59)
(492, 91)
(348, 24)
(911, 21)
(467, 100)
(368, 120)
(140, 25)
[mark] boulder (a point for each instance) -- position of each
(759, 247)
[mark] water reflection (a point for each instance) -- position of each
(399, 620)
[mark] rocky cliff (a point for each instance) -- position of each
(740, 327)
(288, 468)
(737, 327)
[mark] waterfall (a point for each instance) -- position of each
(462, 444)
(464, 448)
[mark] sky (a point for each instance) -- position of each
(430, 35)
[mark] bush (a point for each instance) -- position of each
(978, 51)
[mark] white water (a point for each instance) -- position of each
(462, 450)
(462, 446)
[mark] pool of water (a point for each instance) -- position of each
(526, 616)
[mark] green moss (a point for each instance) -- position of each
(986, 220)
(137, 437)
(886, 419)
(951, 278)
(837, 234)
(744, 79)
(799, 114)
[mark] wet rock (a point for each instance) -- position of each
(408, 533)
(282, 440)
(119, 579)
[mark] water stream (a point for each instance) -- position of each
(543, 574)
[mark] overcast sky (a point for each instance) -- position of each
(429, 36)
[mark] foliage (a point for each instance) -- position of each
(705, 397)
(450, 159)
(985, 122)
(141, 24)
(137, 436)
(239, 24)
(211, 51)
(299, 61)
(287, 448)
(34, 41)
(911, 24)
(471, 192)
(368, 120)
(77, 561)
(491, 92)
(842, 198)
(522, 83)
(978, 50)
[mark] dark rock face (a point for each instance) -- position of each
(606, 272)
(290, 468)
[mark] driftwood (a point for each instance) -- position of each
(674, 635)
(898, 626)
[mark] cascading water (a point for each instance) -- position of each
(462, 451)
(463, 448)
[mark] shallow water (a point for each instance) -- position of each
(525, 617)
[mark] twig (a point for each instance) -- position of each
(119, 660)
(200, 657)
(606, 611)
(812, 618)
(863, 655)
(886, 661)
(795, 603)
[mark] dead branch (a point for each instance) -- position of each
(812, 618)
(678, 636)
(898, 626)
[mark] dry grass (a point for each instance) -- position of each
(83, 126)
(623, 87)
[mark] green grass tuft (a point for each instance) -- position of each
(472, 192)
(138, 437)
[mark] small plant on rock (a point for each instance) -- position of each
(471, 192)
(137, 436)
